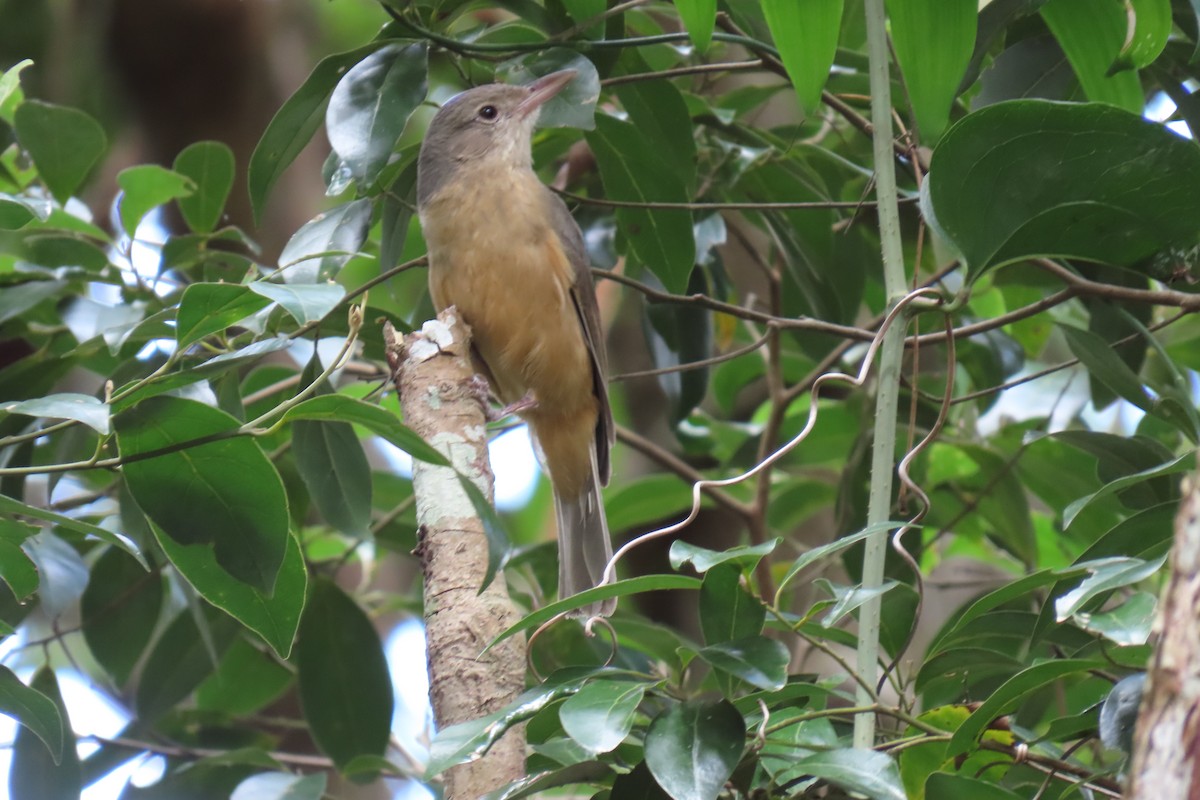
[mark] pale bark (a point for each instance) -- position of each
(1166, 752)
(442, 401)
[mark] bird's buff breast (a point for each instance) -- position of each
(494, 255)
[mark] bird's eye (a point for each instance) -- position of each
(488, 112)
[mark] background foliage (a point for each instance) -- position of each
(196, 511)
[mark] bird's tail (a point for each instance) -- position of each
(584, 548)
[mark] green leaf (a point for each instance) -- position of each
(295, 123)
(806, 35)
(849, 598)
(1147, 28)
(866, 772)
(1032, 178)
(274, 616)
(699, 17)
(17, 211)
(728, 610)
(1182, 464)
(1092, 33)
(1006, 697)
(62, 571)
(16, 568)
(499, 545)
(944, 786)
(1127, 624)
(184, 655)
(68, 405)
(36, 775)
(326, 242)
(120, 609)
(933, 40)
(693, 747)
(35, 711)
(380, 421)
(657, 110)
(207, 308)
(575, 104)
(1105, 575)
(1103, 363)
(757, 660)
(10, 88)
(600, 715)
(10, 506)
(210, 167)
(661, 239)
(246, 680)
(370, 106)
(702, 559)
(281, 786)
(836, 546)
(647, 499)
(344, 682)
(145, 187)
(210, 487)
(305, 302)
(64, 143)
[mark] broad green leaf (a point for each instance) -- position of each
(145, 187)
(10, 506)
(64, 143)
(660, 239)
(836, 546)
(1103, 364)
(120, 608)
(1147, 28)
(10, 88)
(17, 211)
(210, 167)
(16, 568)
(945, 786)
(1032, 178)
(208, 308)
(16, 300)
(1008, 695)
(380, 421)
(849, 598)
(499, 545)
(698, 17)
(1091, 33)
(806, 35)
(203, 485)
(600, 715)
(68, 405)
(370, 106)
(1105, 575)
(274, 616)
(757, 660)
(1127, 624)
(657, 110)
(998, 597)
(295, 123)
(246, 680)
(326, 242)
(184, 655)
(35, 711)
(728, 610)
(344, 682)
(933, 40)
(693, 747)
(305, 302)
(647, 499)
(702, 559)
(36, 774)
(866, 772)
(1182, 464)
(575, 104)
(281, 786)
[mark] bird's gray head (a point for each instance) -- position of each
(487, 125)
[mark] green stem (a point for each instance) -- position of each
(891, 352)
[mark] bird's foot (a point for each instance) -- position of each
(527, 403)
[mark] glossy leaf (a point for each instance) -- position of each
(10, 506)
(660, 239)
(323, 244)
(295, 123)
(757, 660)
(62, 572)
(274, 616)
(64, 143)
(120, 609)
(867, 772)
(306, 303)
(35, 711)
(344, 682)
(205, 486)
(600, 715)
(933, 41)
(68, 405)
(370, 106)
(210, 167)
(698, 17)
(1031, 178)
(16, 211)
(383, 423)
(1147, 28)
(35, 773)
(208, 308)
(1128, 624)
(693, 747)
(1182, 464)
(575, 104)
(1104, 576)
(1092, 35)
(145, 187)
(702, 559)
(806, 35)
(727, 609)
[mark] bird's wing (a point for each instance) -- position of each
(583, 294)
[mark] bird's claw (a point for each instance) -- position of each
(527, 403)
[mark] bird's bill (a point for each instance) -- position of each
(543, 89)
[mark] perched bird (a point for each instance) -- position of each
(506, 252)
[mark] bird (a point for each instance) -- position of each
(505, 251)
